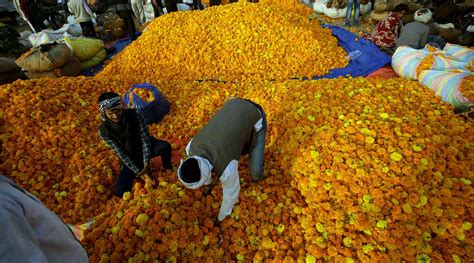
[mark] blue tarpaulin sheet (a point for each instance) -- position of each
(365, 56)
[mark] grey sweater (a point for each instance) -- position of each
(228, 135)
(414, 34)
(30, 232)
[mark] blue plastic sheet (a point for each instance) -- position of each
(119, 46)
(365, 56)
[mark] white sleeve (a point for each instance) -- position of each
(208, 181)
(230, 189)
(188, 146)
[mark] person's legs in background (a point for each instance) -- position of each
(356, 12)
(350, 3)
(171, 6)
(88, 29)
(138, 10)
(127, 17)
(356, 5)
(157, 7)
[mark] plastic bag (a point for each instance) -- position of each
(153, 111)
(45, 37)
(408, 62)
(460, 52)
(450, 86)
(319, 6)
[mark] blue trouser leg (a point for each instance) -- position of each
(350, 3)
(163, 149)
(356, 12)
(257, 154)
(124, 182)
(126, 177)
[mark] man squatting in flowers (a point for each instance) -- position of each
(125, 132)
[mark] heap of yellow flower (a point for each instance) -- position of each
(358, 170)
(240, 41)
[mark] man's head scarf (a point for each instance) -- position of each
(423, 15)
(205, 167)
(112, 103)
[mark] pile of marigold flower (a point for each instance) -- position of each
(288, 5)
(240, 41)
(50, 144)
(356, 171)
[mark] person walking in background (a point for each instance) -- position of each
(123, 8)
(84, 15)
(29, 11)
(138, 8)
(350, 5)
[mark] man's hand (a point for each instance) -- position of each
(148, 180)
(144, 171)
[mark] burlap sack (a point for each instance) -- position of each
(382, 6)
(36, 61)
(377, 16)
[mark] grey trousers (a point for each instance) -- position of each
(257, 154)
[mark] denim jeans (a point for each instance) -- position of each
(257, 154)
(126, 177)
(356, 4)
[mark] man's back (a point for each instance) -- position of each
(414, 34)
(31, 232)
(77, 8)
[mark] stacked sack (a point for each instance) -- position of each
(447, 72)
(50, 60)
(89, 51)
(381, 9)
